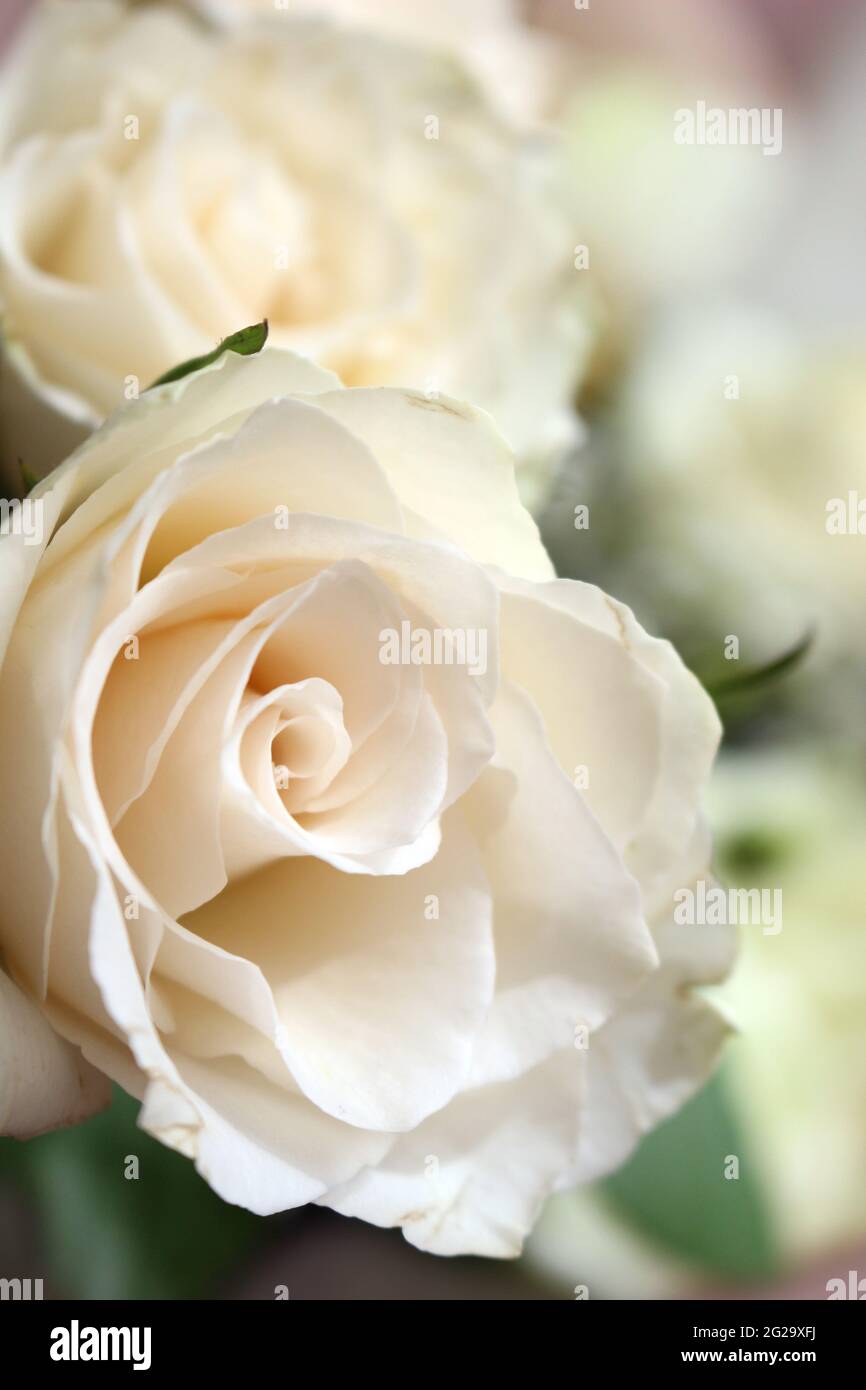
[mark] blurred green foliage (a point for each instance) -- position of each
(162, 1235)
(674, 1191)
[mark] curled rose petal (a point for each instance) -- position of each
(44, 1082)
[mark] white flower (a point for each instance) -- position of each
(521, 67)
(162, 183)
(744, 445)
(795, 821)
(450, 22)
(426, 973)
(652, 218)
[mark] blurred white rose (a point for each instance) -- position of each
(743, 442)
(797, 821)
(449, 21)
(520, 66)
(428, 973)
(162, 183)
(657, 218)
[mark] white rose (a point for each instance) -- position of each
(795, 821)
(523, 69)
(452, 21)
(162, 183)
(369, 980)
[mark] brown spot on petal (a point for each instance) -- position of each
(434, 403)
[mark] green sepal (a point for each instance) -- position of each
(246, 342)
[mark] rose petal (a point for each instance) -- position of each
(426, 462)
(588, 946)
(641, 707)
(44, 1082)
(380, 1006)
(471, 1180)
(657, 1051)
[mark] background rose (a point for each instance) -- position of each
(747, 478)
(796, 818)
(163, 183)
(258, 964)
(657, 218)
(451, 23)
(521, 67)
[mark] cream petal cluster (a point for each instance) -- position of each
(163, 181)
(392, 936)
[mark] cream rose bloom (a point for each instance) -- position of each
(351, 930)
(162, 182)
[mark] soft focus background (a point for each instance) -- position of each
(725, 405)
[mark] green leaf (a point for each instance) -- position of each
(246, 342)
(164, 1234)
(675, 1192)
(759, 675)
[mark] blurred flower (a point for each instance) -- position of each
(655, 216)
(519, 65)
(798, 821)
(162, 183)
(648, 219)
(450, 22)
(741, 444)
